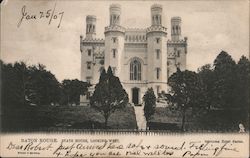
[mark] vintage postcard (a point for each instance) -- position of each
(123, 78)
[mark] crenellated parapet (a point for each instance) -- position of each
(176, 44)
(182, 42)
(135, 35)
(156, 28)
(97, 41)
(114, 28)
(140, 57)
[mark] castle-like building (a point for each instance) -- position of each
(141, 58)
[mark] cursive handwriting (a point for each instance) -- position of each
(198, 149)
(30, 146)
(139, 148)
(49, 14)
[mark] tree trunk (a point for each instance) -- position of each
(183, 120)
(106, 122)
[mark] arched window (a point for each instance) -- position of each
(135, 70)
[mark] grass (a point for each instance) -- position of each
(120, 119)
(213, 121)
(47, 118)
(62, 118)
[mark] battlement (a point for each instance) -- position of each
(135, 35)
(92, 40)
(135, 29)
(114, 28)
(173, 42)
(156, 29)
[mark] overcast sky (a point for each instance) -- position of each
(211, 26)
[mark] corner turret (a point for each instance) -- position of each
(90, 27)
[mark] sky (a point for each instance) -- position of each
(211, 26)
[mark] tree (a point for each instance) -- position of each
(243, 85)
(43, 87)
(186, 92)
(14, 79)
(206, 74)
(72, 89)
(109, 95)
(149, 104)
(225, 81)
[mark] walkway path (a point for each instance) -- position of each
(140, 119)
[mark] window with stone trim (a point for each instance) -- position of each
(158, 73)
(158, 40)
(89, 65)
(157, 53)
(178, 53)
(114, 53)
(89, 52)
(114, 39)
(135, 70)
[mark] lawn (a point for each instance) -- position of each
(61, 118)
(74, 117)
(166, 119)
(211, 121)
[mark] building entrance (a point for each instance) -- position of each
(135, 95)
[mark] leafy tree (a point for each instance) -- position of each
(72, 89)
(43, 87)
(109, 95)
(243, 86)
(186, 92)
(149, 103)
(207, 76)
(225, 81)
(14, 80)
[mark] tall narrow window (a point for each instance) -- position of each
(157, 53)
(135, 70)
(178, 53)
(114, 39)
(89, 52)
(158, 73)
(157, 40)
(88, 65)
(114, 53)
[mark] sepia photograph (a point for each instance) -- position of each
(137, 66)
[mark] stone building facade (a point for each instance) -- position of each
(141, 58)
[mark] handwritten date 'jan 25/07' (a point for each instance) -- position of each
(49, 14)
